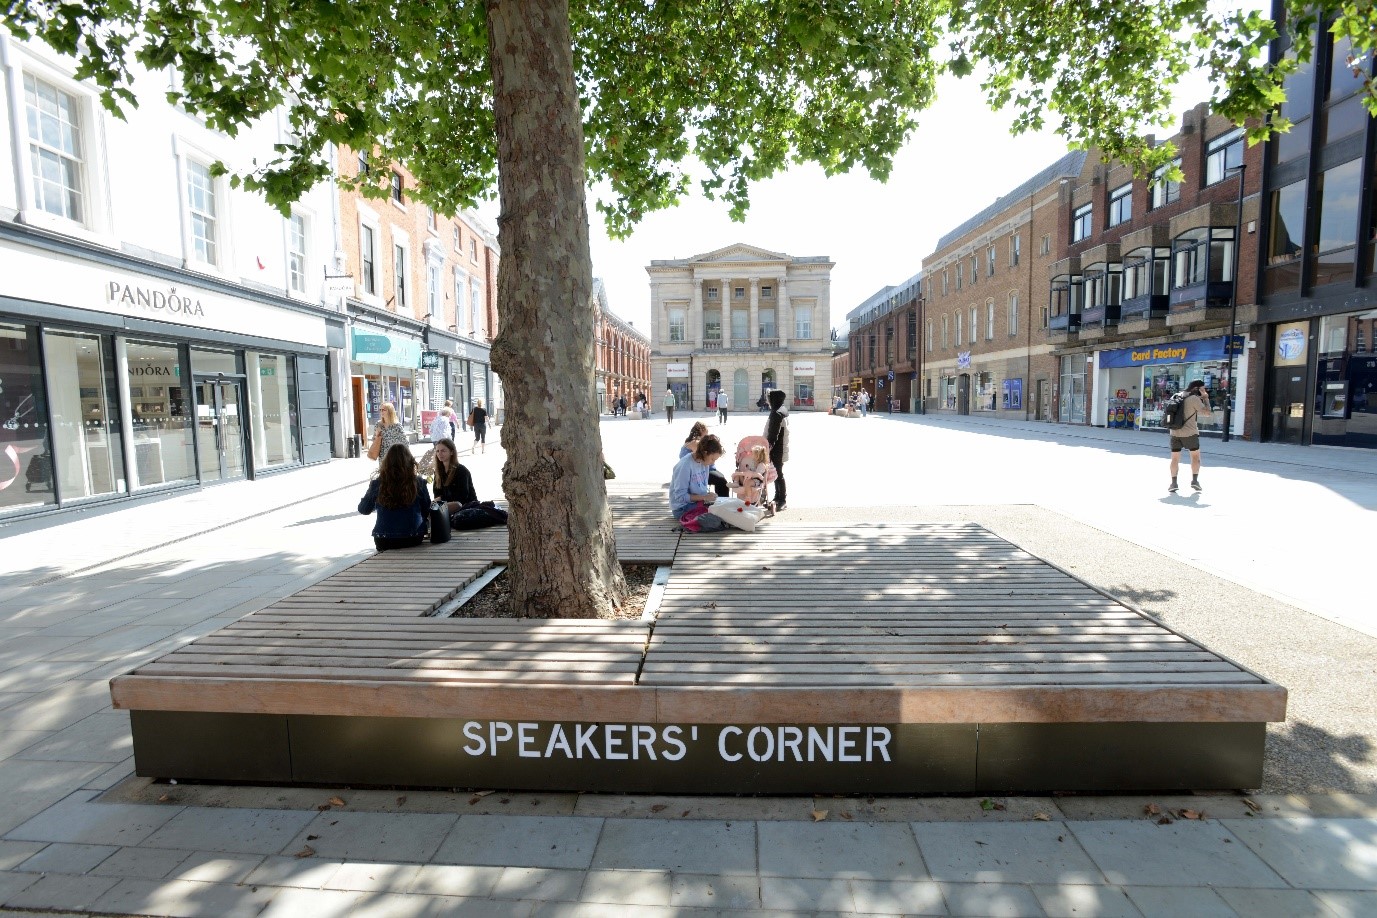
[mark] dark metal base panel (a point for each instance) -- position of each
(702, 758)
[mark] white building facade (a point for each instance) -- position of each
(158, 329)
(741, 320)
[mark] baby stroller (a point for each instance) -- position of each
(752, 474)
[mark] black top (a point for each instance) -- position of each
(480, 417)
(777, 432)
(398, 522)
(459, 490)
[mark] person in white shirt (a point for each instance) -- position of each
(722, 406)
(442, 428)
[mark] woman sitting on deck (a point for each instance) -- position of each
(401, 499)
(689, 493)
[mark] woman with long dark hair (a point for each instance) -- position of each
(453, 483)
(401, 499)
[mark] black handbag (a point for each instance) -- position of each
(439, 522)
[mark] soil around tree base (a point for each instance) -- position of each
(494, 600)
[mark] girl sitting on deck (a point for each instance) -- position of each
(401, 499)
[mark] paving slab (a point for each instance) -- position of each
(364, 876)
(656, 806)
(296, 872)
(141, 863)
(311, 903)
(1072, 900)
(184, 899)
(396, 905)
(806, 894)
(627, 887)
(696, 846)
(12, 884)
(60, 891)
(14, 853)
(1274, 903)
(1020, 852)
(941, 809)
(102, 737)
(991, 900)
(866, 851)
(521, 841)
(261, 832)
(898, 897)
(1315, 854)
(1348, 904)
(454, 880)
(62, 858)
(539, 884)
(406, 837)
(12, 742)
(79, 818)
(1177, 901)
(216, 867)
(1180, 854)
(717, 891)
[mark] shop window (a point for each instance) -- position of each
(985, 394)
(803, 323)
(28, 482)
(1120, 205)
(1339, 192)
(160, 407)
(203, 210)
(1164, 190)
(1223, 153)
(272, 408)
(83, 403)
(1082, 222)
(677, 332)
(56, 156)
(296, 253)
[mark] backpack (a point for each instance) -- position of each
(1174, 411)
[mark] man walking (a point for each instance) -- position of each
(722, 406)
(777, 434)
(1194, 406)
(669, 404)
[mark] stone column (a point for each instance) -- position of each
(784, 315)
(695, 316)
(753, 291)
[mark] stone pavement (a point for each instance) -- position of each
(93, 594)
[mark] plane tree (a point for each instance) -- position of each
(543, 99)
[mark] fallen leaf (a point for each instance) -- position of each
(1165, 821)
(335, 801)
(845, 815)
(483, 793)
(323, 807)
(163, 799)
(306, 851)
(1252, 804)
(1190, 814)
(401, 800)
(312, 837)
(505, 800)
(474, 799)
(684, 813)
(1152, 809)
(987, 805)
(1042, 817)
(819, 815)
(659, 808)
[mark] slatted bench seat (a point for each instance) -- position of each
(823, 658)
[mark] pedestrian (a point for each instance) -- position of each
(389, 433)
(478, 420)
(761, 404)
(453, 482)
(669, 404)
(777, 433)
(621, 405)
(689, 494)
(722, 403)
(863, 402)
(453, 419)
(401, 500)
(442, 428)
(1194, 406)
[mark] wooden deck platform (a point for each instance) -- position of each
(802, 658)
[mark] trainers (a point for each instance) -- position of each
(1174, 488)
(1195, 486)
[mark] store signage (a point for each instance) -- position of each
(805, 367)
(1291, 344)
(676, 370)
(154, 299)
(430, 360)
(1169, 352)
(386, 349)
(339, 284)
(963, 360)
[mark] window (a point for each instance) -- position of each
(1339, 191)
(741, 331)
(975, 325)
(803, 323)
(1045, 312)
(1164, 191)
(473, 249)
(1082, 222)
(767, 292)
(975, 267)
(431, 221)
(458, 247)
(1287, 223)
(677, 331)
(55, 152)
(1145, 272)
(1103, 284)
(960, 270)
(433, 289)
(368, 259)
(929, 336)
(363, 162)
(1013, 314)
(1045, 247)
(766, 327)
(1223, 153)
(945, 330)
(273, 400)
(296, 253)
(712, 325)
(476, 307)
(945, 274)
(202, 205)
(989, 320)
(739, 293)
(960, 329)
(1202, 255)
(712, 293)
(398, 189)
(399, 274)
(990, 261)
(461, 286)
(1121, 205)
(912, 337)
(1015, 250)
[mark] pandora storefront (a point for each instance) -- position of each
(118, 377)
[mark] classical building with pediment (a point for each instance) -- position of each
(741, 320)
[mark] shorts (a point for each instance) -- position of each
(1191, 444)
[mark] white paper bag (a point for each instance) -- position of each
(735, 512)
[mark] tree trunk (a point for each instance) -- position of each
(563, 557)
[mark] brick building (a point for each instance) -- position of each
(422, 284)
(621, 355)
(741, 319)
(1142, 291)
(883, 341)
(841, 364)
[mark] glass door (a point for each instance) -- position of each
(219, 430)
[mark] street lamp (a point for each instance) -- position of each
(1231, 393)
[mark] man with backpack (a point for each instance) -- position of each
(1180, 415)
